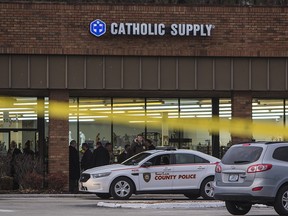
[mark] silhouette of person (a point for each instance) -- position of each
(74, 167)
(87, 158)
(13, 152)
(124, 154)
(101, 155)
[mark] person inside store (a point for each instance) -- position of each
(74, 167)
(124, 154)
(13, 153)
(137, 146)
(149, 145)
(101, 155)
(87, 158)
(27, 151)
(109, 148)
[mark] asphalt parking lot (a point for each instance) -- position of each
(81, 204)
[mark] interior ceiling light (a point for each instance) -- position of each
(128, 108)
(81, 120)
(265, 117)
(195, 110)
(267, 114)
(26, 99)
(161, 107)
(189, 106)
(25, 104)
(161, 111)
(100, 109)
(267, 107)
(21, 112)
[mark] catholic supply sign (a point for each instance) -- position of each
(99, 28)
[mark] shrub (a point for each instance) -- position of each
(32, 181)
(4, 165)
(6, 183)
(27, 167)
(57, 181)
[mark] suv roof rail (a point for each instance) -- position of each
(261, 142)
(274, 142)
(167, 148)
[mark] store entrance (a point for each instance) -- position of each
(20, 136)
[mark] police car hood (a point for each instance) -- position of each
(107, 168)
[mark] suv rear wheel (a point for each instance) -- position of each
(281, 201)
(238, 208)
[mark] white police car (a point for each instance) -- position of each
(174, 171)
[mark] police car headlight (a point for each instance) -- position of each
(99, 175)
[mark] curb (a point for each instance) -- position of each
(161, 205)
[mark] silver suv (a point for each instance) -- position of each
(253, 173)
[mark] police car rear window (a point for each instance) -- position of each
(242, 155)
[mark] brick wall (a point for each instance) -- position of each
(60, 28)
(241, 108)
(58, 146)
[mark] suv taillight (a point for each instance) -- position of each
(259, 168)
(218, 168)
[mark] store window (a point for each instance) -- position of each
(190, 136)
(268, 111)
(158, 112)
(89, 120)
(225, 113)
(128, 121)
(18, 122)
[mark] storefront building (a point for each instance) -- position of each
(156, 61)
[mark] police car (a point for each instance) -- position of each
(173, 171)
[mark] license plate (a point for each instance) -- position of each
(233, 177)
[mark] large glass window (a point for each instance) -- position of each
(18, 122)
(159, 111)
(191, 136)
(225, 113)
(90, 120)
(128, 121)
(268, 111)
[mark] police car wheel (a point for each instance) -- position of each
(103, 195)
(207, 190)
(122, 188)
(191, 196)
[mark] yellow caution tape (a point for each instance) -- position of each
(236, 126)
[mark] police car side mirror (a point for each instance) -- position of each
(146, 164)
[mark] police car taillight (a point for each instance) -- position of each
(259, 168)
(218, 168)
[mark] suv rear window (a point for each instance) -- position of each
(242, 155)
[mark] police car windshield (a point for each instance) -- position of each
(134, 160)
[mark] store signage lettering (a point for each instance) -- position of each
(98, 28)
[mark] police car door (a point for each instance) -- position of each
(158, 176)
(189, 171)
